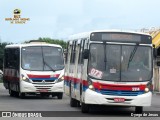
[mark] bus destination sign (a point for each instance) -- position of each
(121, 37)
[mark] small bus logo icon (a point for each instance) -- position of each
(17, 11)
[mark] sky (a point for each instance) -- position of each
(58, 19)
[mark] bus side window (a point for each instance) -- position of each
(86, 44)
(79, 56)
(66, 53)
(74, 52)
(12, 58)
(72, 45)
(6, 57)
(17, 58)
(80, 60)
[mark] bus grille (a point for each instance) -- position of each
(39, 88)
(120, 92)
(43, 81)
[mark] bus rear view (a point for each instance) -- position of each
(34, 69)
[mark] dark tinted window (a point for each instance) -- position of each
(11, 58)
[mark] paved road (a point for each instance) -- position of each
(36, 103)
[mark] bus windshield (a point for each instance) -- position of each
(114, 62)
(42, 58)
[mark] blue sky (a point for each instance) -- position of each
(60, 18)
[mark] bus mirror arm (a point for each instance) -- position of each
(154, 53)
(85, 54)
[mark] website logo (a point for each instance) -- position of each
(17, 19)
(6, 114)
(17, 11)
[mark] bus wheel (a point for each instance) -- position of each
(139, 109)
(84, 108)
(60, 95)
(11, 93)
(43, 94)
(73, 102)
(17, 94)
(78, 104)
(22, 95)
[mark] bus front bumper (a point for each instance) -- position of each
(92, 97)
(38, 88)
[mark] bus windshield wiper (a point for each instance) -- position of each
(45, 63)
(132, 54)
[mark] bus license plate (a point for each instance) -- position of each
(43, 90)
(119, 99)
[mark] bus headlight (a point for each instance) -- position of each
(60, 79)
(90, 85)
(25, 79)
(146, 89)
(149, 87)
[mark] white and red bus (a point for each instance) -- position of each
(34, 68)
(109, 68)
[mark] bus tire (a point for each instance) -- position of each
(84, 108)
(138, 109)
(11, 93)
(73, 102)
(17, 94)
(22, 95)
(44, 94)
(60, 95)
(78, 104)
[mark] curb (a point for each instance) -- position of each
(156, 93)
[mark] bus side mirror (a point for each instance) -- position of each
(158, 63)
(156, 52)
(86, 54)
(64, 50)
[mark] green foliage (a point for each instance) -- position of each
(2, 46)
(52, 41)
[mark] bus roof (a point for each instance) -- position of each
(28, 44)
(87, 34)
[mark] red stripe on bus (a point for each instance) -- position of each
(11, 78)
(66, 78)
(56, 75)
(74, 80)
(42, 76)
(99, 86)
(85, 82)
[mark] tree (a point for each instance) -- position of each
(2, 46)
(52, 41)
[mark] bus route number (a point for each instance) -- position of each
(96, 73)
